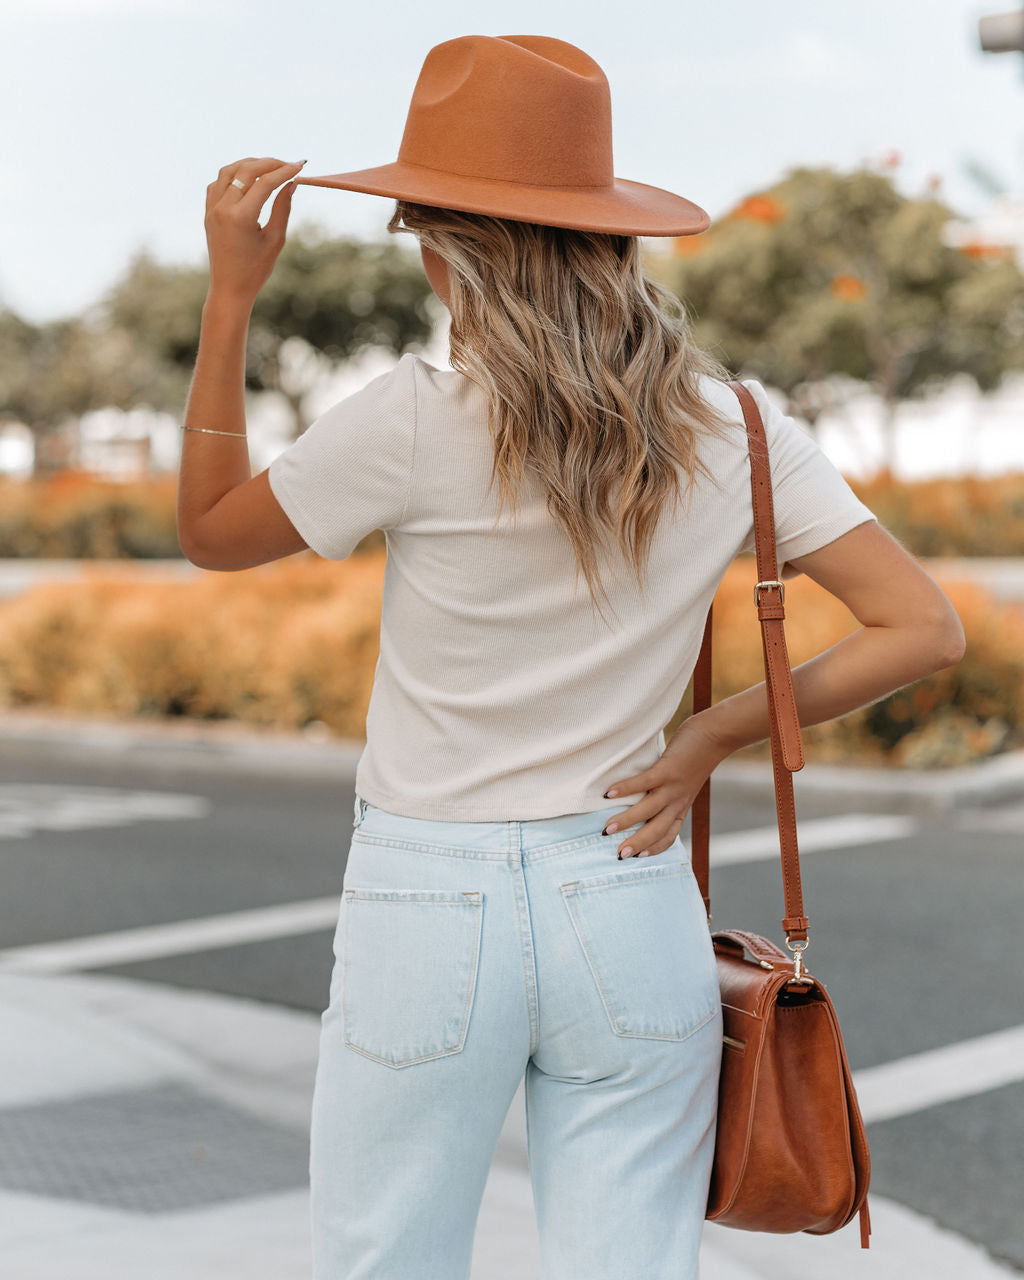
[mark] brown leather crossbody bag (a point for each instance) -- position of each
(791, 1153)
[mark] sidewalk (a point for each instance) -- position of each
(151, 1131)
(158, 1132)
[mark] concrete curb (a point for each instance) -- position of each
(223, 747)
(923, 792)
(233, 748)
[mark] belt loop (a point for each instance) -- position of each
(358, 811)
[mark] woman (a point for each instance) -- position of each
(493, 922)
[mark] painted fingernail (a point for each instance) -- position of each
(644, 853)
(626, 851)
(610, 793)
(612, 826)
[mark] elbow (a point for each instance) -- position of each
(955, 653)
(218, 561)
(950, 643)
(193, 550)
(186, 544)
(193, 554)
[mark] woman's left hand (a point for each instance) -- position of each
(670, 787)
(242, 253)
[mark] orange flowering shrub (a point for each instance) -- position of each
(848, 288)
(976, 248)
(950, 516)
(296, 641)
(759, 207)
(281, 645)
(963, 713)
(74, 515)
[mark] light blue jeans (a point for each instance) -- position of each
(468, 953)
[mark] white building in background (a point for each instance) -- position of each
(17, 451)
(1000, 227)
(957, 432)
(132, 444)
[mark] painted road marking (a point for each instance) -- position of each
(844, 831)
(27, 807)
(891, 1089)
(940, 1075)
(230, 929)
(182, 937)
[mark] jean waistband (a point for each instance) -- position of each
(513, 835)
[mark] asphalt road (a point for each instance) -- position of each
(911, 934)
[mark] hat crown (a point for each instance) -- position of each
(525, 109)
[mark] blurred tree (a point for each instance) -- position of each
(19, 341)
(51, 374)
(161, 304)
(828, 274)
(335, 297)
(326, 300)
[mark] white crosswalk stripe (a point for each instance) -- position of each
(844, 831)
(953, 1071)
(26, 807)
(149, 942)
(896, 1088)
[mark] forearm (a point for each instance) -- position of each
(211, 465)
(858, 670)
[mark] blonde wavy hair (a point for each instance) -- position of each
(591, 375)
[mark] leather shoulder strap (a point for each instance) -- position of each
(786, 742)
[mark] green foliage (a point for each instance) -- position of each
(162, 305)
(336, 296)
(55, 372)
(341, 295)
(829, 273)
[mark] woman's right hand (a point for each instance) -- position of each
(672, 784)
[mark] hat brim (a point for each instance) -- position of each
(624, 208)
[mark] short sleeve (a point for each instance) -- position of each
(812, 501)
(350, 471)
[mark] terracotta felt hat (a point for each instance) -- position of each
(519, 127)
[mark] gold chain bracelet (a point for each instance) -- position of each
(210, 431)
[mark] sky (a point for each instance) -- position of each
(118, 113)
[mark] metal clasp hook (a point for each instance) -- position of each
(798, 949)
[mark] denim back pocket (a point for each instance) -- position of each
(409, 966)
(645, 937)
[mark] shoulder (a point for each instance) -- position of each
(725, 399)
(413, 376)
(431, 382)
(778, 424)
(385, 400)
(396, 384)
(443, 395)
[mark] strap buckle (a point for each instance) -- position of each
(770, 582)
